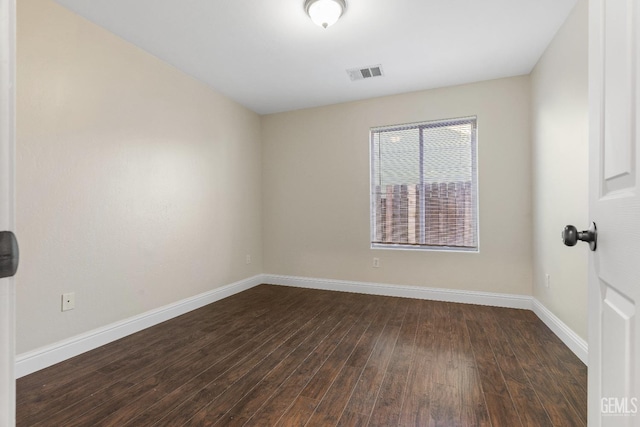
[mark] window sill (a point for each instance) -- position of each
(401, 247)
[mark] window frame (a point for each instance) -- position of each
(475, 180)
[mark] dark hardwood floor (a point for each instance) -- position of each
(277, 355)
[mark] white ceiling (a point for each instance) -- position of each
(270, 57)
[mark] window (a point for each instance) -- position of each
(424, 186)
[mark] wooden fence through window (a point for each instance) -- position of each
(449, 218)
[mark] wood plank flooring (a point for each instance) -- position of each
(276, 355)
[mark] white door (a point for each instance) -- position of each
(7, 161)
(614, 268)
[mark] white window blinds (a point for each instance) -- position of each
(424, 185)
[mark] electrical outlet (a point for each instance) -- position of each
(248, 259)
(547, 281)
(68, 301)
(376, 263)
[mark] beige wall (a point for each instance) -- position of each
(137, 185)
(560, 169)
(316, 190)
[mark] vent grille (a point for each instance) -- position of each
(362, 73)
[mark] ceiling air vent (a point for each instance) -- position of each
(365, 72)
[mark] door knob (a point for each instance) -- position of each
(571, 235)
(9, 255)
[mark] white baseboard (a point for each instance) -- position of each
(572, 340)
(576, 344)
(41, 358)
(435, 294)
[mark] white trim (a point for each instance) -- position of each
(41, 358)
(7, 207)
(35, 360)
(419, 292)
(572, 340)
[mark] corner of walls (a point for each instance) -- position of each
(317, 191)
(35, 360)
(267, 224)
(574, 342)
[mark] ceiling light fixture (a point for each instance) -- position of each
(325, 13)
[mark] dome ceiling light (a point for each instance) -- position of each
(325, 13)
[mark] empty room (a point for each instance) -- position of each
(319, 212)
